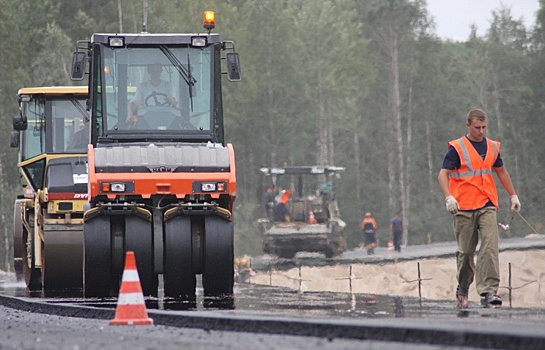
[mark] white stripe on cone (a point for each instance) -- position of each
(130, 276)
(130, 299)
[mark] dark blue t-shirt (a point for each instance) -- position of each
(397, 224)
(452, 159)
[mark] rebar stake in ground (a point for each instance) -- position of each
(351, 277)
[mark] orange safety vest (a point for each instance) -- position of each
(368, 220)
(473, 183)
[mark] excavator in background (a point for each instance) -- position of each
(313, 223)
(51, 135)
(162, 179)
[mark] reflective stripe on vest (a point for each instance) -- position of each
(473, 183)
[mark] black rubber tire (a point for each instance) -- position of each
(32, 275)
(138, 238)
(97, 257)
(218, 272)
(62, 260)
(286, 253)
(18, 229)
(179, 278)
(19, 275)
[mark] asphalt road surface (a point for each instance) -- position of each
(26, 330)
(434, 325)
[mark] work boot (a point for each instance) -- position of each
(491, 300)
(462, 296)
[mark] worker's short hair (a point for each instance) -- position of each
(155, 66)
(477, 114)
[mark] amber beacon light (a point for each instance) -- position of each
(209, 20)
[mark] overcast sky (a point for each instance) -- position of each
(453, 18)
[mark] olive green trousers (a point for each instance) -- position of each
(470, 227)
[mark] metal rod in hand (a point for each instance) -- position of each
(527, 223)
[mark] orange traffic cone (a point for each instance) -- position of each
(311, 218)
(390, 246)
(131, 308)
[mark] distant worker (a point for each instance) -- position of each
(467, 182)
(396, 231)
(268, 201)
(281, 211)
(369, 226)
(154, 92)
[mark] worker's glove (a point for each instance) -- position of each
(515, 203)
(452, 205)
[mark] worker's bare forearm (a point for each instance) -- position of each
(505, 180)
(443, 179)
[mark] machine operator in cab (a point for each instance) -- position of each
(153, 92)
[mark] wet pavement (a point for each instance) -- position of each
(273, 310)
(286, 311)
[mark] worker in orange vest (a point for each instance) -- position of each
(281, 210)
(467, 182)
(368, 227)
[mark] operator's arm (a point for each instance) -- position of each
(450, 201)
(505, 180)
(391, 230)
(130, 112)
(443, 179)
(136, 102)
(170, 95)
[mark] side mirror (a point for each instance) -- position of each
(14, 139)
(20, 122)
(233, 67)
(78, 65)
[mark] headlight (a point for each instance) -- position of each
(198, 41)
(118, 187)
(208, 187)
(116, 41)
(212, 186)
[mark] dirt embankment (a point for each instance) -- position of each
(438, 278)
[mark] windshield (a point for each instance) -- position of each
(156, 89)
(55, 125)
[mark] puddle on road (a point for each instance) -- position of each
(262, 300)
(249, 298)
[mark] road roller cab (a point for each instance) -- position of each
(50, 135)
(161, 176)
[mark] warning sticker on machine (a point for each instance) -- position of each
(80, 178)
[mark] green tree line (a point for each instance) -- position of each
(363, 84)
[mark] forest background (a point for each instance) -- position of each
(362, 84)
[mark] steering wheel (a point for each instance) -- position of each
(154, 95)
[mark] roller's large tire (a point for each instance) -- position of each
(32, 275)
(218, 272)
(62, 259)
(138, 238)
(18, 229)
(179, 277)
(286, 253)
(97, 257)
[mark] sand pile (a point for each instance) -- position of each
(438, 277)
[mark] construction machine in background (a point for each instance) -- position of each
(314, 223)
(51, 135)
(162, 180)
